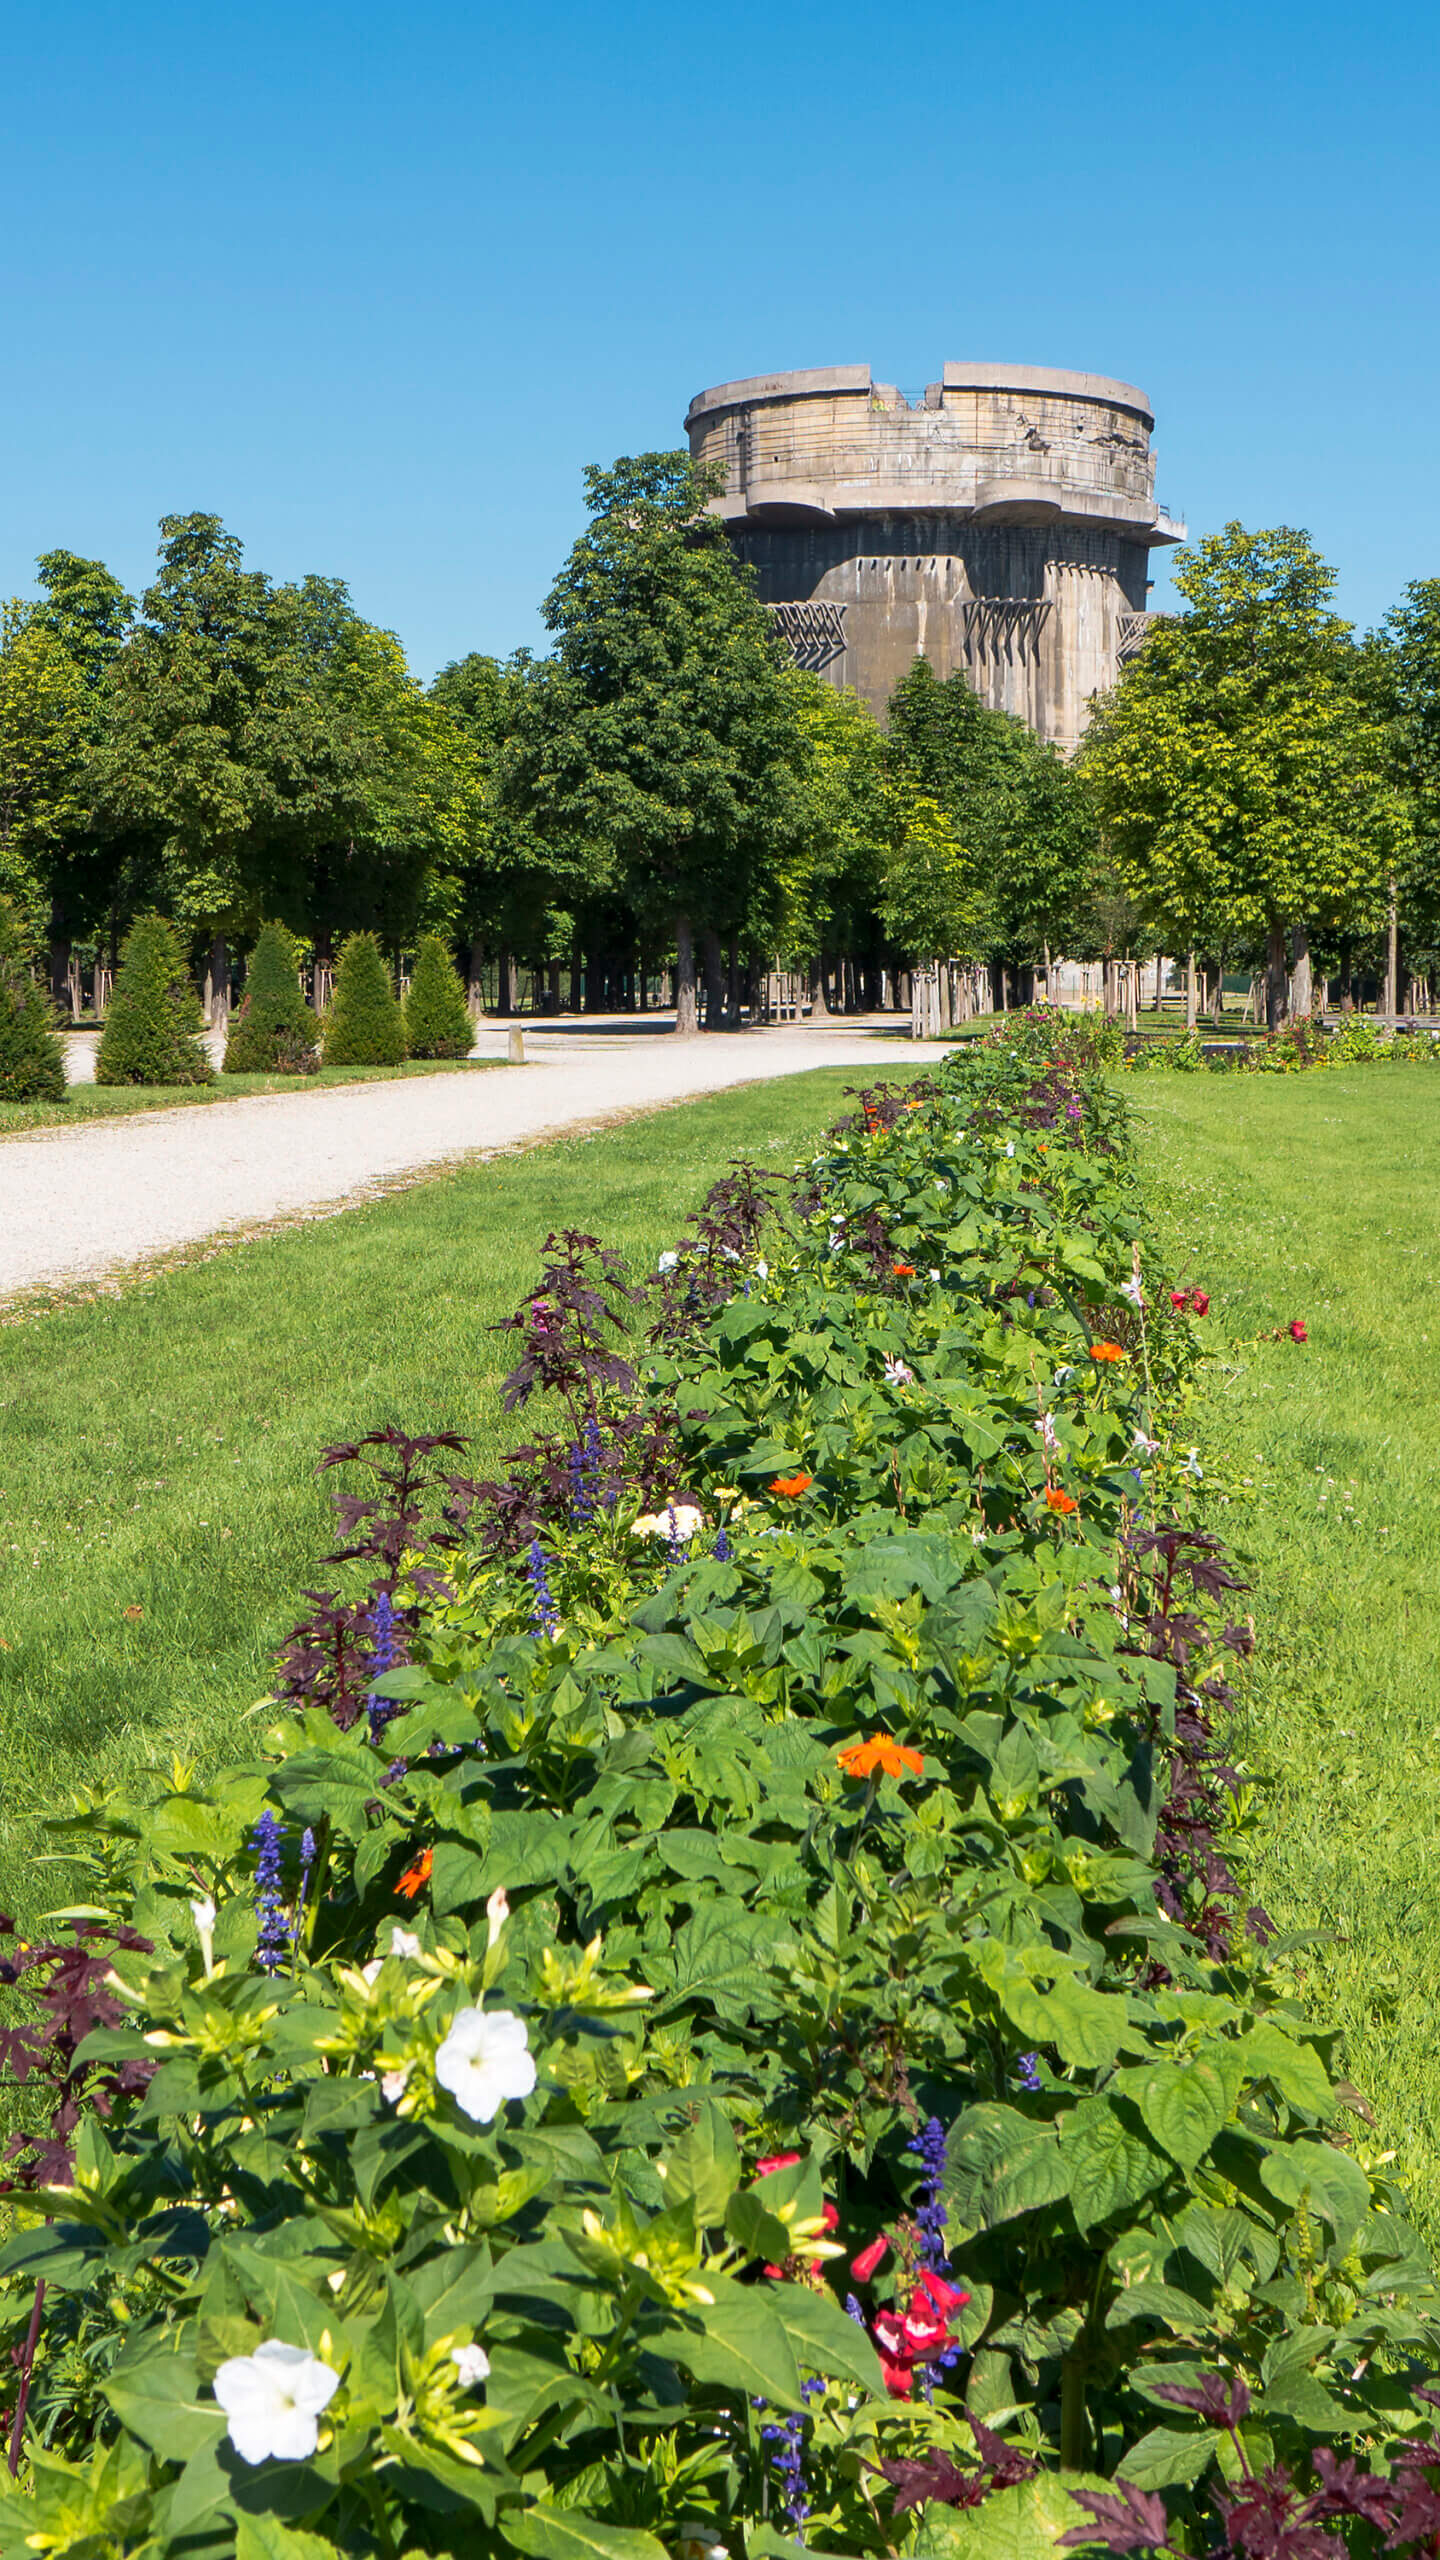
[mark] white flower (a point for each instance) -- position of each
(762, 1270)
(485, 2060)
(1009, 1146)
(393, 2084)
(472, 2363)
(1132, 1290)
(404, 1942)
(897, 1373)
(942, 1186)
(667, 1262)
(1062, 1374)
(273, 2401)
(203, 1915)
(370, 1973)
(678, 1520)
(1048, 1433)
(497, 1912)
(934, 1275)
(1144, 1443)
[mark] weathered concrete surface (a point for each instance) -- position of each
(83, 1202)
(1001, 525)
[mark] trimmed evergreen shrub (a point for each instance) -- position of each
(364, 1027)
(274, 1032)
(437, 1018)
(32, 1058)
(154, 1014)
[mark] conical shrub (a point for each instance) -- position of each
(437, 1018)
(153, 1014)
(274, 1032)
(364, 1027)
(32, 1058)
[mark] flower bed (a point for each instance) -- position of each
(719, 2016)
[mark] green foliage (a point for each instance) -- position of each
(275, 1031)
(1237, 768)
(660, 752)
(43, 714)
(153, 1015)
(437, 1018)
(787, 1850)
(364, 1026)
(32, 1058)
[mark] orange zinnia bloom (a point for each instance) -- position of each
(791, 1485)
(903, 1270)
(416, 1876)
(858, 1759)
(1108, 1351)
(1055, 1500)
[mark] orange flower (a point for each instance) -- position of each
(1055, 1500)
(903, 1270)
(858, 1759)
(1108, 1351)
(416, 1876)
(791, 1485)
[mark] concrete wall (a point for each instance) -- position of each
(1002, 525)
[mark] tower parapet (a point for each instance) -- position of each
(1000, 523)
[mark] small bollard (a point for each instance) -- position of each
(516, 1051)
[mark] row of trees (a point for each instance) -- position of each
(662, 789)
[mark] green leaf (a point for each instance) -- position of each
(1329, 2180)
(703, 2166)
(1109, 2165)
(1295, 2068)
(825, 2338)
(1023, 2523)
(1185, 2104)
(157, 2398)
(1169, 2455)
(563, 2533)
(264, 2537)
(739, 2341)
(999, 2163)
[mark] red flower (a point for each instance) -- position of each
(863, 2267)
(790, 1486)
(1297, 1330)
(1200, 1301)
(1179, 1300)
(947, 2298)
(1107, 1351)
(903, 1270)
(776, 2160)
(1055, 1500)
(925, 2332)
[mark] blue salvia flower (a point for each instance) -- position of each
(307, 1861)
(676, 1548)
(384, 1652)
(544, 1616)
(722, 1549)
(582, 1506)
(854, 2312)
(1027, 2071)
(788, 2464)
(928, 2147)
(267, 1840)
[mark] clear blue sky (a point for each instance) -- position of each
(375, 282)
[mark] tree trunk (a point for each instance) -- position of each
(475, 979)
(732, 989)
(1276, 977)
(1302, 990)
(1347, 979)
(686, 1018)
(714, 962)
(1159, 979)
(1392, 958)
(505, 992)
(819, 1009)
(1189, 990)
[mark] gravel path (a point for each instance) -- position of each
(79, 1203)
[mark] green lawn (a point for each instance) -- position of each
(1319, 1196)
(104, 1101)
(157, 1450)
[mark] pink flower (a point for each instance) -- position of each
(947, 2298)
(777, 2160)
(1297, 1330)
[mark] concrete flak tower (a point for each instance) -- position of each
(1001, 523)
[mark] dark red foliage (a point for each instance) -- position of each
(1127, 2519)
(565, 1328)
(66, 1978)
(919, 2479)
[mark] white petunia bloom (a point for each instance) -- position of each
(393, 2084)
(679, 1520)
(404, 1942)
(667, 1262)
(472, 2364)
(1009, 1146)
(273, 2401)
(484, 2060)
(203, 1915)
(934, 1275)
(897, 1374)
(497, 1912)
(762, 1270)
